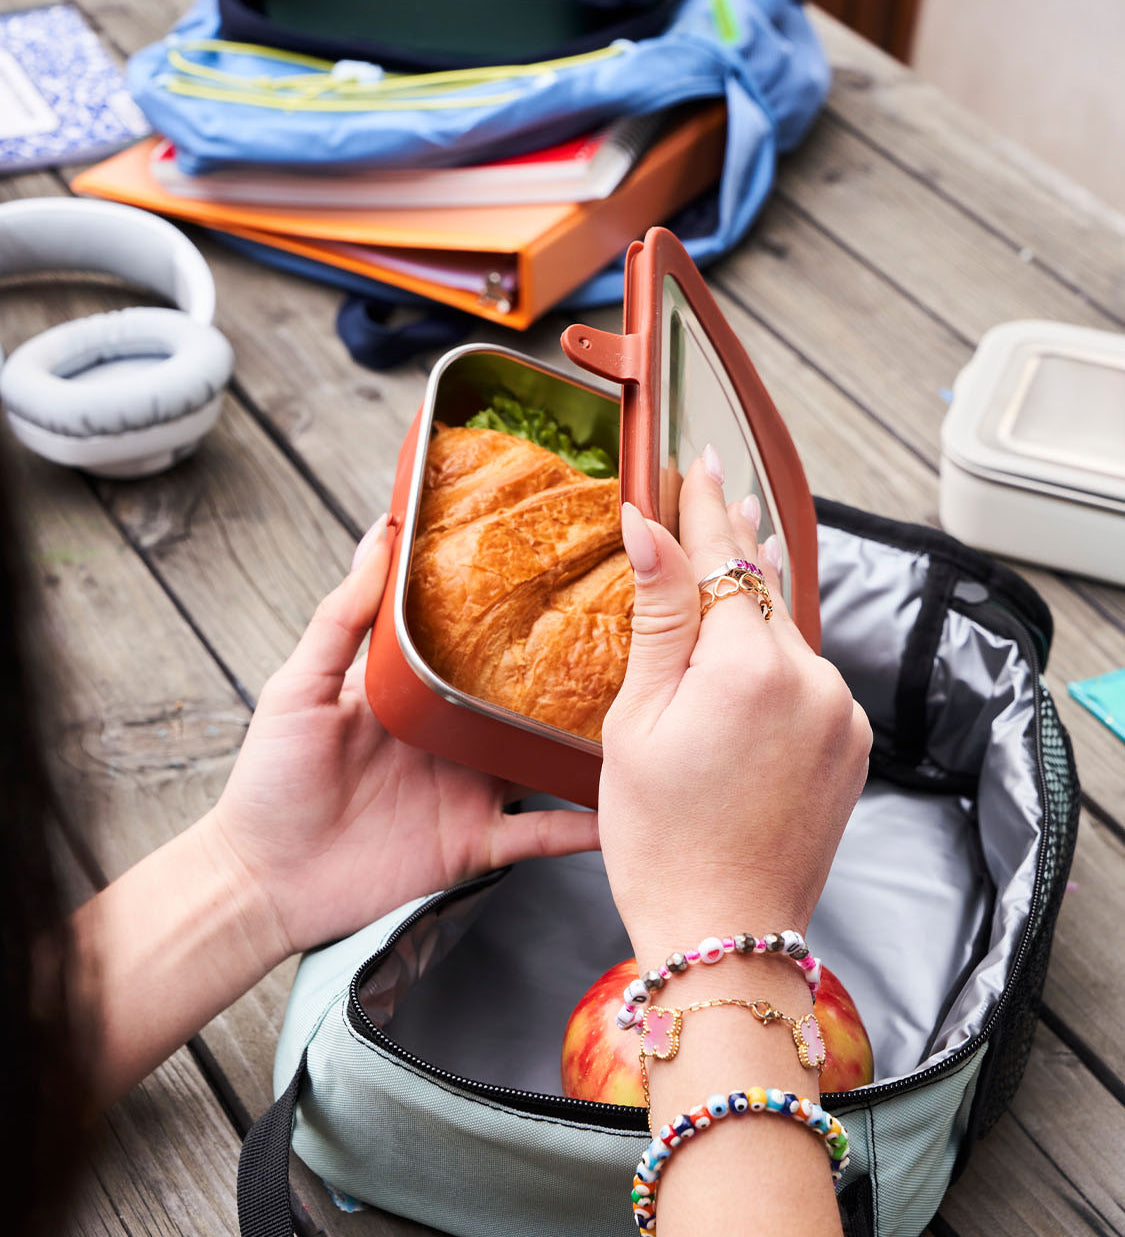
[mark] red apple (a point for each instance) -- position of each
(600, 1061)
(848, 1061)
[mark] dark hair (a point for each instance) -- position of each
(42, 1098)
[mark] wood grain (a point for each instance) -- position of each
(166, 1161)
(1051, 1165)
(1059, 227)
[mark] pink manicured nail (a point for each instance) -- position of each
(640, 544)
(713, 464)
(369, 541)
(751, 510)
(771, 551)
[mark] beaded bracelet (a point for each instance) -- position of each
(757, 1099)
(712, 950)
(661, 1029)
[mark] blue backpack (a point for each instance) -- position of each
(222, 102)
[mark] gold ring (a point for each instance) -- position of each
(734, 577)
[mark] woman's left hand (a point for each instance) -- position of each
(336, 822)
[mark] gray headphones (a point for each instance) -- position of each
(122, 394)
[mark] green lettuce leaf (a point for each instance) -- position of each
(509, 416)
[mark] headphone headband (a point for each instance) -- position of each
(53, 234)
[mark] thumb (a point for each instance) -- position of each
(665, 611)
(315, 671)
(548, 832)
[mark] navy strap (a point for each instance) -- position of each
(362, 324)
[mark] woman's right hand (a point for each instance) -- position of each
(733, 754)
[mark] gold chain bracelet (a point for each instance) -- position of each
(661, 1029)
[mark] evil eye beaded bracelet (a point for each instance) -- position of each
(806, 1112)
(714, 949)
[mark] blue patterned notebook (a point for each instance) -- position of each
(62, 99)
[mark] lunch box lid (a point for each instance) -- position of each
(687, 381)
(1041, 406)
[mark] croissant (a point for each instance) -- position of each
(520, 592)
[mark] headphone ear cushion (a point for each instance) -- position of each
(120, 394)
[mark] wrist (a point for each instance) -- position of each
(247, 912)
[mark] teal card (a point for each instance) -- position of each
(1104, 696)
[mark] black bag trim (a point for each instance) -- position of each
(911, 723)
(245, 21)
(1009, 1046)
(264, 1206)
(857, 1208)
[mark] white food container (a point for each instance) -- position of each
(1033, 448)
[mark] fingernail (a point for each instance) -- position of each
(771, 551)
(640, 545)
(751, 510)
(713, 464)
(369, 541)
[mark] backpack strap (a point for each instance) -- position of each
(264, 1208)
(363, 324)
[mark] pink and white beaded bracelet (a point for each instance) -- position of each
(789, 943)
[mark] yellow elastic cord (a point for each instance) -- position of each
(309, 104)
(423, 90)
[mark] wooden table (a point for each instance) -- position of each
(898, 233)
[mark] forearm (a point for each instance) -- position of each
(750, 1173)
(163, 949)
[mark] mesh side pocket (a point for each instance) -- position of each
(1012, 1037)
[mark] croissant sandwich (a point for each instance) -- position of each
(520, 592)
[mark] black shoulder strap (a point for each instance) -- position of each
(264, 1208)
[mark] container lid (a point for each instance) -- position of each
(1041, 405)
(687, 381)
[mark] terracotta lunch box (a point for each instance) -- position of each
(686, 381)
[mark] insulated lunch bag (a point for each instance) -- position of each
(418, 1066)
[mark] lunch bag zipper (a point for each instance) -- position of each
(615, 1116)
(628, 1119)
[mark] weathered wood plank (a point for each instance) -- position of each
(1052, 1164)
(1068, 244)
(1086, 977)
(946, 261)
(1061, 227)
(241, 541)
(165, 1162)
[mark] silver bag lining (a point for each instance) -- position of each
(921, 915)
